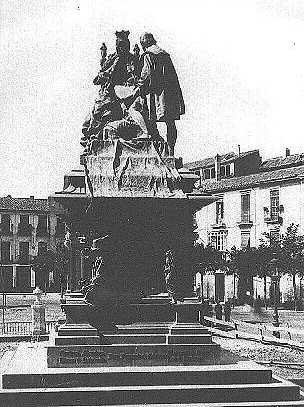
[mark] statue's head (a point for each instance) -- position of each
(146, 40)
(122, 42)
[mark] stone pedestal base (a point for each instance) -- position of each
(186, 313)
(38, 319)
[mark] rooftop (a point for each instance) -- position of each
(223, 159)
(248, 181)
(283, 162)
(23, 204)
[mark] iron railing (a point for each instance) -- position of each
(22, 327)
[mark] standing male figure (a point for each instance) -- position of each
(159, 84)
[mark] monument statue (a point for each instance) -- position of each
(110, 117)
(135, 93)
(134, 192)
(159, 84)
(107, 296)
(171, 278)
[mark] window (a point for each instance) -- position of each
(5, 252)
(219, 208)
(217, 239)
(207, 173)
(24, 220)
(42, 247)
(42, 228)
(245, 207)
(245, 239)
(60, 227)
(274, 204)
(225, 170)
(24, 252)
(5, 225)
(24, 226)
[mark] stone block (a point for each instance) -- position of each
(38, 319)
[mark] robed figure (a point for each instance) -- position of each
(160, 86)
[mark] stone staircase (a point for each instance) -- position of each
(156, 364)
(137, 345)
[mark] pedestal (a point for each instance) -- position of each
(38, 319)
(186, 313)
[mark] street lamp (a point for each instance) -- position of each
(82, 241)
(275, 280)
(3, 288)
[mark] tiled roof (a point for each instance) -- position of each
(225, 158)
(281, 162)
(248, 181)
(23, 204)
(207, 162)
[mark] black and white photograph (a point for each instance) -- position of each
(152, 203)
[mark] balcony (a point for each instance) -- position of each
(245, 222)
(273, 216)
(273, 220)
(25, 229)
(220, 224)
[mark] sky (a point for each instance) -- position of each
(240, 64)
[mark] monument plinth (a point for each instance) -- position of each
(133, 196)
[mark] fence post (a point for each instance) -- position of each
(261, 332)
(289, 333)
(38, 314)
(236, 330)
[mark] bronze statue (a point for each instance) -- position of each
(171, 277)
(111, 117)
(159, 85)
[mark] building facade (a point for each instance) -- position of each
(28, 227)
(254, 197)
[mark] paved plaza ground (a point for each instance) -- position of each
(19, 310)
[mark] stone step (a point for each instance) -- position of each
(131, 355)
(76, 331)
(133, 339)
(144, 330)
(188, 331)
(124, 395)
(193, 339)
(164, 330)
(77, 340)
(299, 403)
(74, 294)
(139, 376)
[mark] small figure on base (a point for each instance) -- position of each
(171, 277)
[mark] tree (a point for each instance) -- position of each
(264, 254)
(292, 261)
(43, 264)
(289, 251)
(244, 263)
(207, 258)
